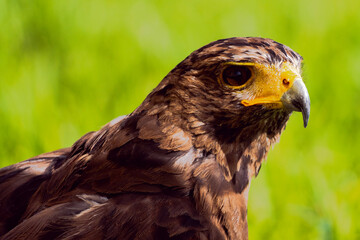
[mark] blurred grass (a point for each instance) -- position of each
(68, 67)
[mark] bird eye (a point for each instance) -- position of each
(236, 76)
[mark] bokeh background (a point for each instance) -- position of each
(69, 67)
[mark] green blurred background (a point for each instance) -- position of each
(69, 67)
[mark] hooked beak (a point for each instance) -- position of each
(297, 99)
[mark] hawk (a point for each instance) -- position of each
(178, 167)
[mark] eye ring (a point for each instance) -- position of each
(235, 75)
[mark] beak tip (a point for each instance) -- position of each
(305, 123)
(306, 115)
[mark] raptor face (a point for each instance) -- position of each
(178, 167)
(237, 88)
(244, 72)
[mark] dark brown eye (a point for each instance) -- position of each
(236, 75)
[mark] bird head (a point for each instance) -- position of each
(238, 82)
(232, 97)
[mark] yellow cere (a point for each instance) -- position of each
(270, 83)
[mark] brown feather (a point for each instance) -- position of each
(178, 167)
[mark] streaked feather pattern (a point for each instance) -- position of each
(178, 167)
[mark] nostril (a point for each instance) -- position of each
(285, 82)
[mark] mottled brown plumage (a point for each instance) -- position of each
(178, 167)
